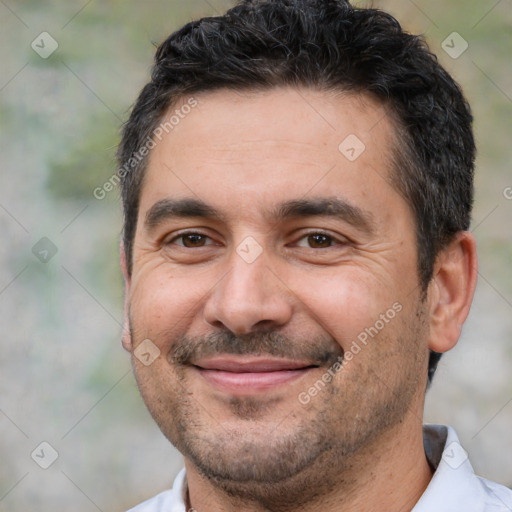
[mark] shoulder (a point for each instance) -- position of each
(454, 485)
(167, 501)
(497, 497)
(158, 503)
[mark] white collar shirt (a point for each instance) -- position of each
(454, 486)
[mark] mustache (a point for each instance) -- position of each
(318, 351)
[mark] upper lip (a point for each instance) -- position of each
(240, 364)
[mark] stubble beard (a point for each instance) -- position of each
(309, 453)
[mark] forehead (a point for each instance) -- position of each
(241, 148)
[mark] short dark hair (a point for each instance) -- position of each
(332, 46)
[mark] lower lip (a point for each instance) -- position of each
(251, 382)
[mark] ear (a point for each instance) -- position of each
(126, 339)
(451, 291)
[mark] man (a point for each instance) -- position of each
(297, 188)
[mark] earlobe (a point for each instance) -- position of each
(451, 291)
(126, 338)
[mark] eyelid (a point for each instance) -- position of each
(337, 239)
(180, 234)
(300, 235)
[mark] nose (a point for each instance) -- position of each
(249, 297)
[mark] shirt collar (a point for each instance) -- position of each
(453, 487)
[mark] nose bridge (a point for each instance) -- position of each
(249, 296)
(245, 281)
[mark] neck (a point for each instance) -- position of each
(389, 474)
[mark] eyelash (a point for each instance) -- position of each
(185, 234)
(333, 240)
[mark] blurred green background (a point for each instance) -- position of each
(64, 378)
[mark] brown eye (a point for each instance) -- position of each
(191, 240)
(319, 241)
(194, 240)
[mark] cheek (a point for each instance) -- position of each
(349, 305)
(162, 305)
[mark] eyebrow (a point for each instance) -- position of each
(170, 208)
(166, 209)
(327, 207)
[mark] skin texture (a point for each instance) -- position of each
(306, 297)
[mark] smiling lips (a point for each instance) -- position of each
(245, 376)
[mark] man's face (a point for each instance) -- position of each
(264, 249)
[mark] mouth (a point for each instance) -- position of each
(251, 375)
